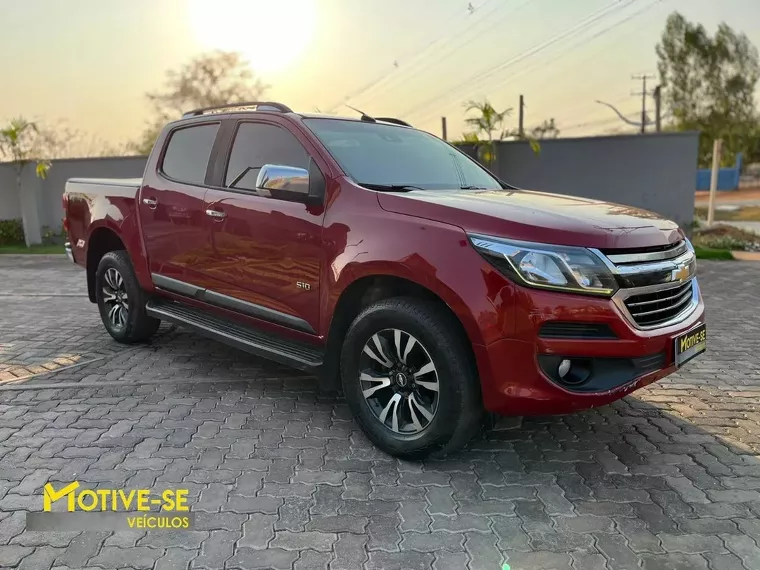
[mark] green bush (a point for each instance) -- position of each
(11, 232)
(52, 237)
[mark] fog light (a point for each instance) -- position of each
(564, 368)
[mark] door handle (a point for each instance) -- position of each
(150, 202)
(216, 214)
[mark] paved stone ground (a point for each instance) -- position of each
(282, 478)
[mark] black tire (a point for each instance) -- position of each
(132, 323)
(455, 405)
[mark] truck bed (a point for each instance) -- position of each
(98, 202)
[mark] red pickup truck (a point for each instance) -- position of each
(391, 265)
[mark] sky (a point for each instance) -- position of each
(87, 64)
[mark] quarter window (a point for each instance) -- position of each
(187, 153)
(257, 144)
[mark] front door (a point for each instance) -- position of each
(266, 252)
(172, 212)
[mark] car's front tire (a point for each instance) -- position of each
(409, 378)
(121, 300)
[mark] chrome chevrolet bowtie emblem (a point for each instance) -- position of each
(680, 274)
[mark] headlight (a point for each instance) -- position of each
(563, 268)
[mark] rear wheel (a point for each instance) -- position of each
(121, 300)
(409, 379)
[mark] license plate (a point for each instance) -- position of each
(690, 344)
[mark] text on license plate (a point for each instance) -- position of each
(690, 344)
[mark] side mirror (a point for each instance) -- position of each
(292, 183)
(274, 179)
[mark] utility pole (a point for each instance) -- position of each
(643, 78)
(443, 128)
(521, 127)
(716, 157)
(658, 108)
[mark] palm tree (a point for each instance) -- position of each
(18, 144)
(488, 121)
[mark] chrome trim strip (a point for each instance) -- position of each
(623, 294)
(69, 252)
(622, 258)
(231, 303)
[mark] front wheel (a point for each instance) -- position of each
(409, 378)
(121, 300)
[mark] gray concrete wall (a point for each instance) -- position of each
(655, 172)
(42, 198)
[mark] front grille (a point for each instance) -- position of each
(653, 309)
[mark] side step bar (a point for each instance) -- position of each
(296, 355)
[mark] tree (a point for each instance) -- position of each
(215, 78)
(19, 144)
(62, 141)
(709, 84)
(546, 130)
(488, 121)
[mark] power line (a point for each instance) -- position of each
(461, 40)
(538, 87)
(417, 52)
(583, 42)
(479, 78)
(595, 123)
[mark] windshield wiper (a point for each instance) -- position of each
(473, 188)
(390, 187)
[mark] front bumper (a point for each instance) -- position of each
(516, 372)
(69, 252)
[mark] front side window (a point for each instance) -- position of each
(257, 144)
(388, 155)
(187, 153)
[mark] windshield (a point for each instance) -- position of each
(387, 155)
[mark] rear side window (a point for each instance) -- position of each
(187, 154)
(257, 144)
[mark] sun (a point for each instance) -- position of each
(270, 35)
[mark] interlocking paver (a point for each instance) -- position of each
(280, 477)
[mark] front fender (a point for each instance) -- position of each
(433, 255)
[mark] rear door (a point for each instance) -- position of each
(267, 252)
(172, 212)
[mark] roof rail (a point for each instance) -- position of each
(259, 106)
(392, 120)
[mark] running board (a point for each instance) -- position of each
(296, 355)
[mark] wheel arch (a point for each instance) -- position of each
(366, 290)
(101, 241)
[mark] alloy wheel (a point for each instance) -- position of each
(399, 381)
(115, 297)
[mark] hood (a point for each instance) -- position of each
(538, 217)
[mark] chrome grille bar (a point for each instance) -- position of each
(663, 299)
(670, 253)
(657, 288)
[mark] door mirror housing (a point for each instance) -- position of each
(288, 183)
(277, 177)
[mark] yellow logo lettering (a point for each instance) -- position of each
(50, 495)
